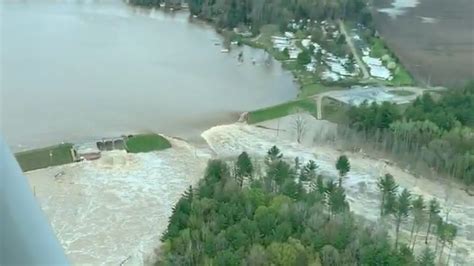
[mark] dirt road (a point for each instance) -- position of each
(365, 72)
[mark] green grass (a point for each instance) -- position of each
(281, 110)
(291, 65)
(45, 157)
(147, 143)
(312, 89)
(401, 77)
(378, 48)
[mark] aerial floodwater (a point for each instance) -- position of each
(433, 38)
(81, 70)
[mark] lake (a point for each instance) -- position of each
(82, 70)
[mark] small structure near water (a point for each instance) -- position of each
(86, 151)
(92, 150)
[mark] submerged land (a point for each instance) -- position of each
(137, 191)
(356, 97)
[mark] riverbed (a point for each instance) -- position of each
(74, 71)
(433, 38)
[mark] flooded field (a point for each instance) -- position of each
(361, 182)
(115, 209)
(82, 70)
(433, 38)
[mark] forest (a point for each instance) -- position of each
(256, 13)
(434, 132)
(289, 214)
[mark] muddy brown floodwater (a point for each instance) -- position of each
(80, 70)
(433, 38)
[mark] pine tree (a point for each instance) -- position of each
(244, 168)
(320, 184)
(273, 154)
(433, 211)
(388, 187)
(427, 258)
(418, 218)
(336, 199)
(402, 207)
(451, 233)
(309, 171)
(343, 166)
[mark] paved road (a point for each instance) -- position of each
(361, 64)
(417, 91)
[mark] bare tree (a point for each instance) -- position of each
(299, 125)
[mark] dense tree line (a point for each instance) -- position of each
(437, 134)
(255, 13)
(157, 3)
(290, 215)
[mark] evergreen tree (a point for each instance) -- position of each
(433, 212)
(418, 218)
(451, 232)
(225, 224)
(337, 201)
(309, 171)
(388, 189)
(273, 155)
(320, 184)
(244, 167)
(343, 166)
(427, 258)
(402, 207)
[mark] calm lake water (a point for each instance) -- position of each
(81, 70)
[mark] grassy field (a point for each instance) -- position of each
(45, 157)
(311, 89)
(147, 143)
(281, 110)
(378, 48)
(401, 76)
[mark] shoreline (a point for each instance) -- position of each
(322, 87)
